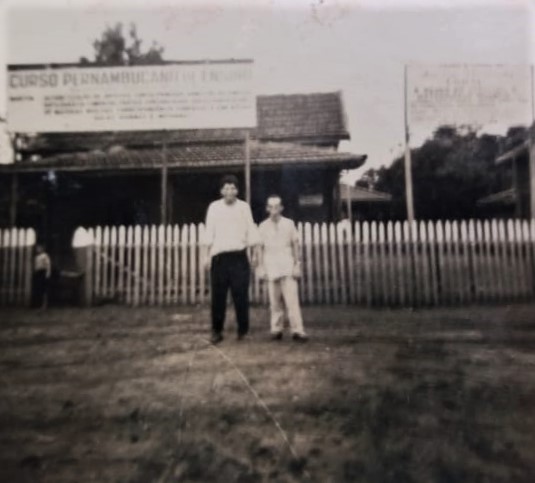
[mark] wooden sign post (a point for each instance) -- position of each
(247, 147)
(408, 163)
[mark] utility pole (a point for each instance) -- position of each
(408, 163)
(163, 188)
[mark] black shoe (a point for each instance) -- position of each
(299, 338)
(277, 336)
(242, 337)
(216, 338)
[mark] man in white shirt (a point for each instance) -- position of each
(280, 264)
(230, 230)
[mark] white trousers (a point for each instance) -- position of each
(284, 293)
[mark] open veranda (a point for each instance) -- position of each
(115, 394)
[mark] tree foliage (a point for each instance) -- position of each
(114, 48)
(450, 172)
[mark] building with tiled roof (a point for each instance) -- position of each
(517, 196)
(96, 178)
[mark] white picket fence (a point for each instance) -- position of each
(16, 249)
(373, 264)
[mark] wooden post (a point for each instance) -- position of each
(518, 201)
(531, 135)
(349, 204)
(13, 200)
(163, 188)
(247, 148)
(408, 164)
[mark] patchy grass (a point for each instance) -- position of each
(136, 395)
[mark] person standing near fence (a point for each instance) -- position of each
(230, 230)
(42, 269)
(281, 266)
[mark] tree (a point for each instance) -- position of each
(368, 179)
(450, 171)
(112, 48)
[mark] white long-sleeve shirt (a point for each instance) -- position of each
(229, 227)
(42, 262)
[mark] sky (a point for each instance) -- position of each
(358, 47)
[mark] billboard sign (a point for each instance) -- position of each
(197, 95)
(464, 94)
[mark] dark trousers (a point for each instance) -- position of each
(230, 270)
(39, 288)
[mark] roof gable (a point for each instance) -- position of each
(301, 116)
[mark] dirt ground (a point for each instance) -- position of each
(137, 395)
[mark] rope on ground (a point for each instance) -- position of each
(259, 400)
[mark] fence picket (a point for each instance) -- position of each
(497, 269)
(134, 273)
(416, 264)
(145, 270)
(505, 259)
(176, 264)
(528, 258)
(433, 265)
(121, 242)
(366, 259)
(520, 260)
(400, 280)
(425, 256)
(353, 252)
(153, 257)
(446, 268)
(159, 279)
(391, 264)
(104, 260)
(324, 244)
(373, 246)
(464, 264)
(455, 265)
(202, 271)
(128, 264)
(480, 256)
(112, 258)
(98, 261)
(490, 259)
(184, 265)
(341, 233)
(318, 273)
(193, 264)
(19, 285)
(168, 262)
(381, 266)
(333, 263)
(308, 275)
(407, 264)
(508, 242)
